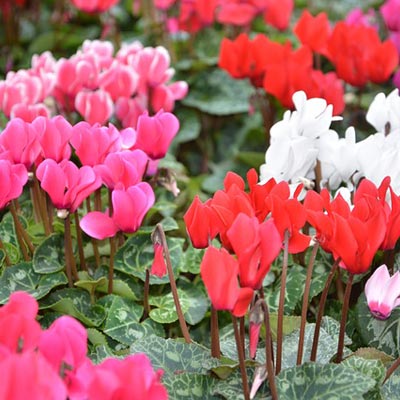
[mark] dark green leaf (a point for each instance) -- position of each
(49, 255)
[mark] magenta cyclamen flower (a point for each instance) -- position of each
(66, 184)
(13, 178)
(382, 292)
(129, 209)
(155, 134)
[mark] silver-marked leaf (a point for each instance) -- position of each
(100, 353)
(168, 223)
(391, 389)
(122, 323)
(137, 254)
(77, 303)
(190, 386)
(383, 335)
(313, 381)
(23, 277)
(96, 337)
(175, 356)
(192, 259)
(7, 229)
(13, 253)
(49, 255)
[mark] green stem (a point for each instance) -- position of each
(305, 302)
(41, 199)
(71, 270)
(111, 267)
(282, 304)
(321, 309)
(158, 236)
(345, 310)
(81, 253)
(242, 365)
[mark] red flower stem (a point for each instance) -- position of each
(6, 258)
(35, 204)
(70, 264)
(345, 310)
(146, 291)
(215, 346)
(267, 113)
(304, 308)
(19, 230)
(111, 266)
(318, 176)
(282, 303)
(110, 204)
(269, 355)
(321, 310)
(391, 369)
(159, 235)
(97, 200)
(81, 253)
(242, 333)
(242, 365)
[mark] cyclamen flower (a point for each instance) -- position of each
(383, 292)
(66, 184)
(95, 107)
(13, 178)
(129, 208)
(93, 6)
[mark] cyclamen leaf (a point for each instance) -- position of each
(322, 382)
(49, 255)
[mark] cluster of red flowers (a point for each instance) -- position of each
(252, 226)
(95, 84)
(52, 364)
(355, 50)
(197, 14)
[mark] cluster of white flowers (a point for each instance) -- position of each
(304, 148)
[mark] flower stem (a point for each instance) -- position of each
(215, 346)
(269, 356)
(70, 265)
(345, 310)
(321, 309)
(158, 235)
(41, 203)
(305, 302)
(6, 258)
(81, 253)
(282, 303)
(111, 267)
(242, 365)
(146, 304)
(19, 230)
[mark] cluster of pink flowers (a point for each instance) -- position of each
(95, 84)
(52, 364)
(117, 159)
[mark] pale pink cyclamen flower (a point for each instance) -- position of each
(155, 134)
(13, 178)
(28, 112)
(129, 208)
(95, 107)
(66, 184)
(102, 50)
(163, 96)
(383, 292)
(129, 110)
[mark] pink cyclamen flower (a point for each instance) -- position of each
(130, 378)
(382, 292)
(95, 107)
(13, 178)
(20, 330)
(28, 112)
(155, 134)
(19, 142)
(159, 267)
(93, 143)
(54, 137)
(64, 344)
(93, 6)
(123, 169)
(66, 184)
(129, 209)
(27, 375)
